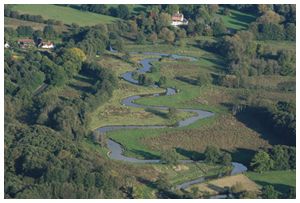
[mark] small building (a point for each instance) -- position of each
(46, 45)
(178, 19)
(26, 43)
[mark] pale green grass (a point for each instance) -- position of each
(65, 14)
(281, 180)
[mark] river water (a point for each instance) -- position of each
(116, 150)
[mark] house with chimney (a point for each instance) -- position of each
(178, 19)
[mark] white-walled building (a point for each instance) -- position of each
(46, 45)
(178, 19)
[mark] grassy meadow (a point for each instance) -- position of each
(65, 14)
(281, 180)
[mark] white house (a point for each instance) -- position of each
(46, 45)
(178, 19)
(6, 45)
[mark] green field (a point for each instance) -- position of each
(281, 180)
(65, 14)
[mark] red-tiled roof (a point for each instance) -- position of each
(177, 16)
(26, 40)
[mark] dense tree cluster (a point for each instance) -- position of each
(44, 156)
(214, 155)
(244, 57)
(280, 157)
(44, 164)
(276, 22)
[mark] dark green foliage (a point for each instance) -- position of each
(140, 38)
(100, 138)
(144, 80)
(44, 153)
(226, 159)
(262, 162)
(163, 182)
(96, 8)
(290, 32)
(280, 155)
(270, 31)
(268, 192)
(212, 154)
(162, 81)
(203, 79)
(25, 31)
(287, 60)
(123, 11)
(287, 86)
(49, 32)
(25, 74)
(279, 119)
(66, 120)
(292, 193)
(292, 156)
(169, 157)
(104, 86)
(91, 39)
(172, 114)
(119, 44)
(218, 28)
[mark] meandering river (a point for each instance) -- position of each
(116, 150)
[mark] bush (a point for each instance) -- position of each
(169, 157)
(162, 81)
(268, 192)
(262, 162)
(212, 154)
(203, 79)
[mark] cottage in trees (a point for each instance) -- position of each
(46, 45)
(178, 19)
(26, 43)
(6, 45)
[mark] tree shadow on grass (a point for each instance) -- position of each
(242, 25)
(216, 188)
(193, 155)
(83, 79)
(147, 182)
(219, 63)
(139, 9)
(284, 189)
(145, 155)
(186, 80)
(157, 113)
(244, 19)
(161, 193)
(242, 155)
(82, 89)
(251, 120)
